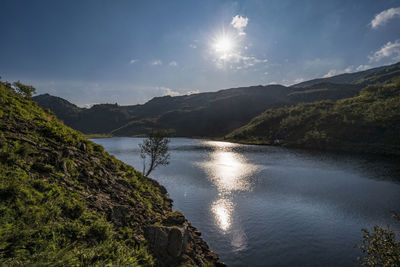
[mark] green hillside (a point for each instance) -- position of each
(369, 122)
(205, 114)
(66, 202)
(366, 77)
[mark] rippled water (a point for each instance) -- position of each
(269, 206)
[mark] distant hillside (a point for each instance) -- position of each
(371, 76)
(64, 201)
(204, 114)
(369, 122)
(101, 118)
(210, 114)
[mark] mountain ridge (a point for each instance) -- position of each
(209, 114)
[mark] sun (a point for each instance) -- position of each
(223, 45)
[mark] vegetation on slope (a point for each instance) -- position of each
(65, 201)
(205, 114)
(369, 122)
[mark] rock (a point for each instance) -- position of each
(167, 243)
(177, 240)
(174, 218)
(157, 236)
(197, 232)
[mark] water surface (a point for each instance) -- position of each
(269, 206)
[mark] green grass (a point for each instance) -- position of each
(45, 217)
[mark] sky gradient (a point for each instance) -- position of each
(130, 51)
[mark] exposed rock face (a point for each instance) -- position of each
(176, 241)
(169, 242)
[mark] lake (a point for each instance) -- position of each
(270, 206)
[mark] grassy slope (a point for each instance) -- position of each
(369, 122)
(60, 194)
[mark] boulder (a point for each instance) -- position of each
(167, 242)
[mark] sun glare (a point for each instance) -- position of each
(223, 45)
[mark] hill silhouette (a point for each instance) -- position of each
(211, 114)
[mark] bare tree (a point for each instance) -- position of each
(155, 147)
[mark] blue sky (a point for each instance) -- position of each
(130, 51)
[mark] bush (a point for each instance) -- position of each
(381, 247)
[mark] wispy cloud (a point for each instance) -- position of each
(299, 80)
(388, 50)
(334, 72)
(363, 67)
(239, 23)
(236, 60)
(168, 91)
(133, 61)
(193, 46)
(173, 63)
(330, 73)
(192, 92)
(383, 17)
(156, 63)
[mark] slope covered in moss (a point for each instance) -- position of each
(369, 122)
(65, 201)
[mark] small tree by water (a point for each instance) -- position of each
(154, 151)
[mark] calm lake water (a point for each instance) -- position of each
(269, 206)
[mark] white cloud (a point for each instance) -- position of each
(193, 46)
(192, 92)
(236, 60)
(173, 63)
(388, 50)
(330, 73)
(239, 23)
(334, 72)
(383, 17)
(168, 91)
(299, 80)
(133, 61)
(87, 105)
(266, 73)
(156, 63)
(348, 69)
(363, 67)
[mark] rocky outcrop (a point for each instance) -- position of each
(169, 243)
(176, 241)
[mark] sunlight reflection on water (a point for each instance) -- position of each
(230, 172)
(222, 209)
